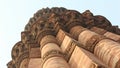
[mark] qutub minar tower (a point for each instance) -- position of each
(62, 38)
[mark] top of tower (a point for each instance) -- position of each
(48, 17)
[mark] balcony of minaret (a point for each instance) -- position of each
(20, 55)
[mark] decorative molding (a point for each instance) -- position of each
(102, 22)
(98, 30)
(11, 64)
(27, 37)
(16, 50)
(48, 39)
(52, 53)
(23, 56)
(93, 41)
(70, 18)
(19, 51)
(75, 31)
(69, 50)
(43, 33)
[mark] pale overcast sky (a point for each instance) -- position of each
(14, 15)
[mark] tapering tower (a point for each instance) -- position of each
(62, 38)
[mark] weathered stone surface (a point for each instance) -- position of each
(98, 30)
(48, 39)
(24, 63)
(51, 50)
(61, 35)
(35, 63)
(107, 34)
(56, 62)
(112, 36)
(75, 31)
(35, 53)
(89, 39)
(11, 64)
(83, 59)
(67, 46)
(50, 47)
(109, 52)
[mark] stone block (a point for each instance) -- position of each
(68, 46)
(35, 52)
(60, 36)
(83, 59)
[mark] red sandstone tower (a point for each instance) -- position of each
(61, 38)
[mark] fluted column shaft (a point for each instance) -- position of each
(51, 53)
(105, 49)
(87, 38)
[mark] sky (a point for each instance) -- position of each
(15, 14)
